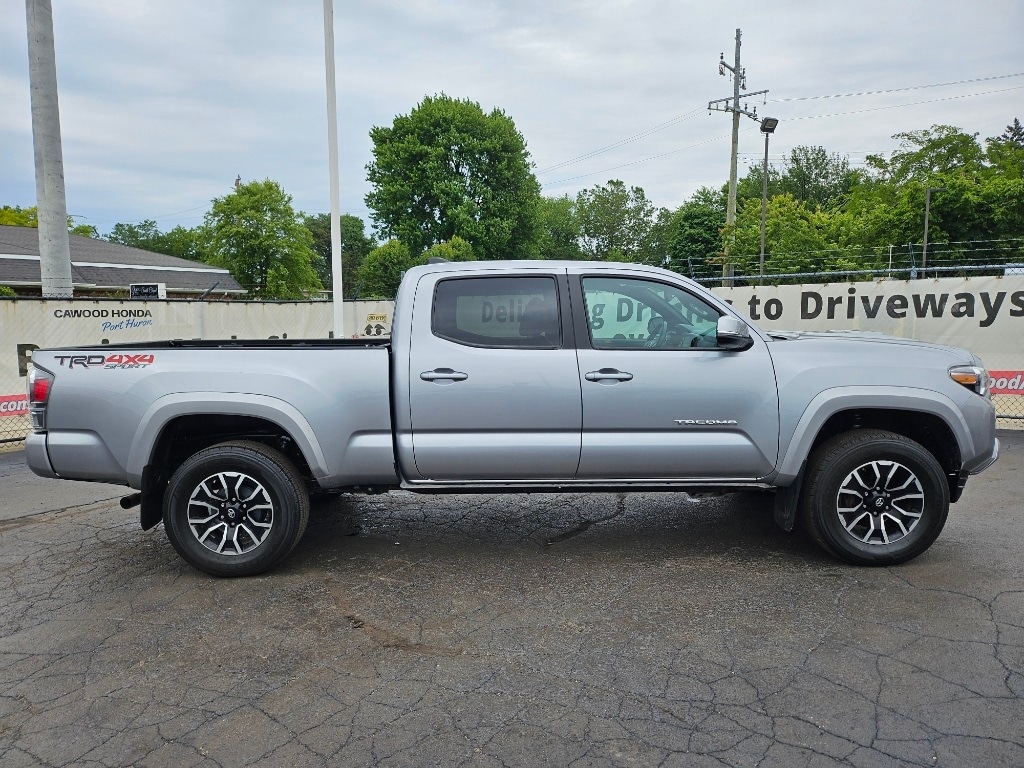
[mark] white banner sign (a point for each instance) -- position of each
(27, 324)
(982, 314)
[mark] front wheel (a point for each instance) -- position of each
(235, 509)
(873, 497)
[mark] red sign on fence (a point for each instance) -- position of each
(1006, 382)
(17, 405)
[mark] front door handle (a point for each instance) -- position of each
(608, 373)
(444, 374)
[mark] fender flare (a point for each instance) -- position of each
(831, 401)
(272, 409)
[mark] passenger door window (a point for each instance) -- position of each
(629, 313)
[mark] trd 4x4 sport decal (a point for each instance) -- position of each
(106, 361)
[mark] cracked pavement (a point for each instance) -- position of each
(562, 630)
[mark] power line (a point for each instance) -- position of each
(628, 140)
(676, 120)
(790, 119)
(637, 162)
(897, 106)
(175, 213)
(898, 90)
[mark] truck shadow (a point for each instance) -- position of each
(622, 525)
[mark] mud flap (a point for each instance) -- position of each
(151, 509)
(786, 502)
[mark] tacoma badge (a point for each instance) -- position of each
(704, 422)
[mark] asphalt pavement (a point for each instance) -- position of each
(540, 630)
(23, 493)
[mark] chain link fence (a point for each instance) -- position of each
(908, 261)
(14, 429)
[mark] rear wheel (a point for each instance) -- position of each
(235, 509)
(873, 497)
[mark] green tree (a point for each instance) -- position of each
(749, 186)
(559, 229)
(455, 249)
(355, 244)
(381, 271)
(886, 214)
(824, 216)
(449, 169)
(817, 178)
(659, 239)
(798, 239)
(185, 243)
(180, 242)
(16, 216)
(257, 236)
(975, 220)
(1005, 154)
(145, 235)
(696, 240)
(82, 230)
(976, 212)
(809, 174)
(617, 223)
(927, 154)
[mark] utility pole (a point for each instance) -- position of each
(337, 288)
(927, 210)
(732, 104)
(768, 126)
(51, 204)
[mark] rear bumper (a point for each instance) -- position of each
(81, 455)
(36, 457)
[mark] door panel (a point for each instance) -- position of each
(494, 389)
(660, 401)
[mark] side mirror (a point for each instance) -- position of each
(733, 334)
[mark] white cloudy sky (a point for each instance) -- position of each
(164, 103)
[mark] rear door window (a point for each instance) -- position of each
(502, 312)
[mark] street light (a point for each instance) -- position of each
(768, 126)
(927, 209)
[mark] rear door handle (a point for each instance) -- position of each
(608, 373)
(444, 374)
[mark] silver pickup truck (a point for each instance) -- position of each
(522, 376)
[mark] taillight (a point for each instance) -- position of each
(40, 383)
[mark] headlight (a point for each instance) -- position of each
(971, 376)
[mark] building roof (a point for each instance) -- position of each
(98, 265)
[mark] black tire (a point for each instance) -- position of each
(872, 497)
(257, 503)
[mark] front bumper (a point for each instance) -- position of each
(984, 462)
